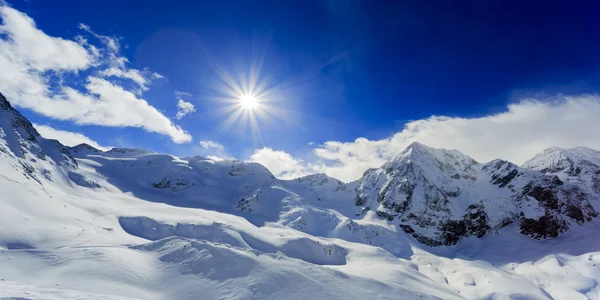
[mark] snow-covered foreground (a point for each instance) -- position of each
(77, 223)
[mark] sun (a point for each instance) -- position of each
(248, 101)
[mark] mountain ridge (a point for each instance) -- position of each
(438, 196)
(430, 223)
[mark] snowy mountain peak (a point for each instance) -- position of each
(12, 120)
(441, 196)
(322, 182)
(84, 149)
(317, 178)
(431, 160)
(4, 104)
(34, 156)
(579, 166)
(560, 160)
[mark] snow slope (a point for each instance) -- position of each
(80, 223)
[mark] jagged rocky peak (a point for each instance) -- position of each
(24, 143)
(13, 120)
(441, 196)
(579, 166)
(416, 185)
(502, 172)
(4, 104)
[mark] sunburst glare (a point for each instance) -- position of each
(248, 101)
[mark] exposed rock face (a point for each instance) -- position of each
(440, 196)
(579, 166)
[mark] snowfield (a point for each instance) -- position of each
(80, 223)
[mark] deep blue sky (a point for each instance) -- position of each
(353, 68)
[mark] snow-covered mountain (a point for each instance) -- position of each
(440, 196)
(81, 223)
(579, 166)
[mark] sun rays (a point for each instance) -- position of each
(248, 102)
(252, 95)
(248, 99)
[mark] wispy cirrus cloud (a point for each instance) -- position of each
(207, 144)
(35, 64)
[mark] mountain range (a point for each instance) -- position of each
(82, 223)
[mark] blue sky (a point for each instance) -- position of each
(350, 83)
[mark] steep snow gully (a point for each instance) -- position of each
(81, 223)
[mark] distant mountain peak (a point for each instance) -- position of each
(575, 151)
(570, 161)
(129, 151)
(84, 149)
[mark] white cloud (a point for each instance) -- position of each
(206, 144)
(25, 44)
(142, 78)
(280, 163)
(67, 138)
(213, 150)
(112, 43)
(184, 108)
(216, 158)
(30, 60)
(523, 130)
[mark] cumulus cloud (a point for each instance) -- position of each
(281, 164)
(33, 66)
(24, 43)
(517, 134)
(67, 138)
(213, 150)
(206, 144)
(184, 108)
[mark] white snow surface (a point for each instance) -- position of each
(133, 224)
